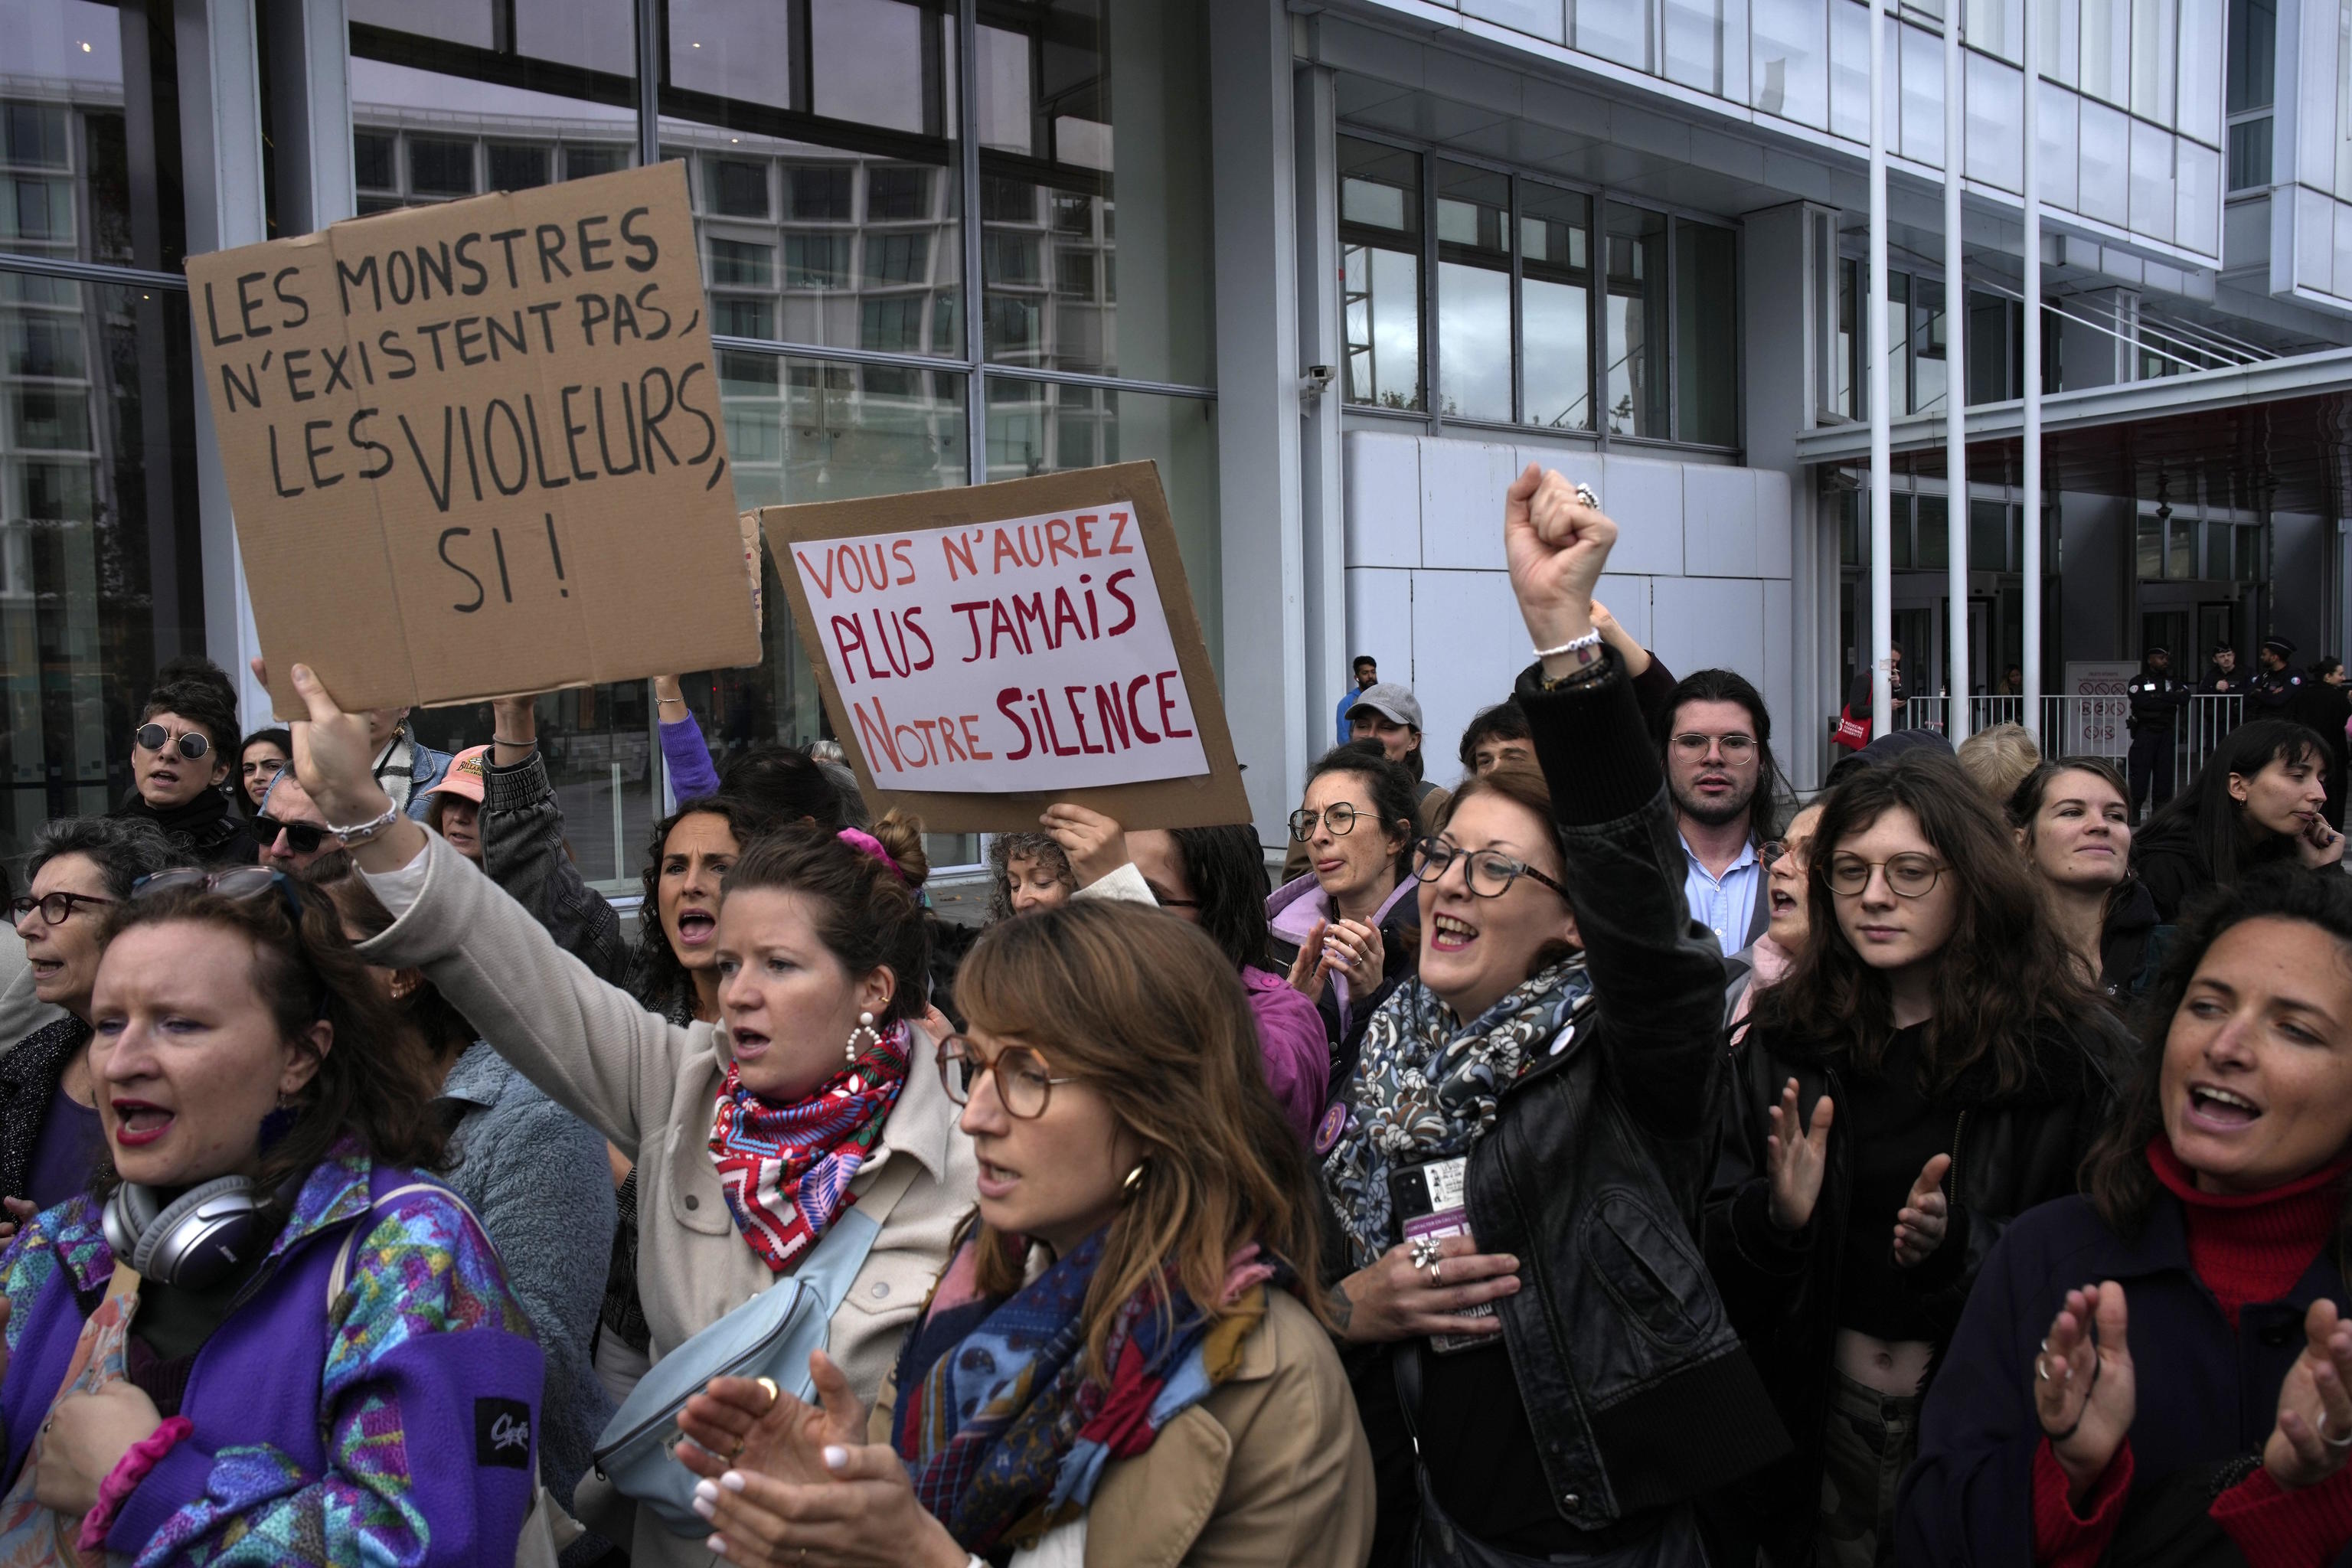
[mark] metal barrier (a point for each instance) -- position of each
(2092, 726)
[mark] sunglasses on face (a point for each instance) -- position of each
(303, 837)
(154, 738)
(54, 907)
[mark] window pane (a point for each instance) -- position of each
(1928, 337)
(2249, 153)
(2181, 559)
(833, 151)
(1380, 247)
(437, 100)
(1635, 307)
(1992, 324)
(97, 493)
(2148, 540)
(1473, 292)
(1706, 354)
(2252, 66)
(1989, 533)
(72, 186)
(2247, 549)
(1038, 429)
(2155, 45)
(1789, 73)
(1694, 36)
(2217, 551)
(1614, 31)
(1097, 109)
(803, 430)
(1935, 533)
(1555, 307)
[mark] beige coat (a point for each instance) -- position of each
(1270, 1470)
(652, 1088)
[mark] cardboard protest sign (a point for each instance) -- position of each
(476, 448)
(985, 652)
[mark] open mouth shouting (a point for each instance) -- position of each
(138, 1122)
(696, 926)
(1783, 901)
(996, 1181)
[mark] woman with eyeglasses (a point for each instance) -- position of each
(179, 762)
(1517, 1163)
(1766, 961)
(1344, 929)
(2074, 820)
(258, 761)
(1933, 1066)
(261, 1332)
(1122, 1363)
(814, 1089)
(80, 868)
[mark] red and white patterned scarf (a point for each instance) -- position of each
(786, 1169)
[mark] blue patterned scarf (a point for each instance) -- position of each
(1005, 1434)
(1426, 1089)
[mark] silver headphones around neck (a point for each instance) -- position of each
(193, 1241)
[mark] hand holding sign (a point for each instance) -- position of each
(1096, 844)
(446, 431)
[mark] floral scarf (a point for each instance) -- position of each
(786, 1169)
(1426, 1089)
(1004, 1434)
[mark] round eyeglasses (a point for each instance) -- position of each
(1910, 876)
(54, 907)
(1489, 873)
(1024, 1085)
(1339, 820)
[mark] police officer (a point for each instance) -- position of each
(2275, 687)
(2221, 677)
(2157, 700)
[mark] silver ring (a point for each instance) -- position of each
(1588, 495)
(2042, 1369)
(1426, 1251)
(1437, 1279)
(2343, 1442)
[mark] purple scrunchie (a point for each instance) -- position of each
(858, 838)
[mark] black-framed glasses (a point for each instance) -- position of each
(1737, 750)
(1910, 876)
(154, 738)
(1025, 1084)
(303, 837)
(1339, 820)
(236, 882)
(54, 907)
(1489, 873)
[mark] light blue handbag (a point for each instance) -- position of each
(769, 1336)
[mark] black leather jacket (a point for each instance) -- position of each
(2009, 1153)
(1593, 1175)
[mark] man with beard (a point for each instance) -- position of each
(1717, 747)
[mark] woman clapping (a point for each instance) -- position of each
(2158, 1371)
(1120, 1364)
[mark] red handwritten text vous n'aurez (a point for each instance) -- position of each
(1073, 538)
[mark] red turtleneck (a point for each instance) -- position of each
(2246, 1248)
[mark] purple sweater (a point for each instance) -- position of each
(691, 774)
(397, 1426)
(1290, 1042)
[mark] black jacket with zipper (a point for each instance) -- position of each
(2010, 1152)
(1636, 1389)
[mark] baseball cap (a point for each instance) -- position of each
(464, 778)
(1392, 699)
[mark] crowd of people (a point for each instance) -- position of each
(1609, 1158)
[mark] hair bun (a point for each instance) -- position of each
(901, 833)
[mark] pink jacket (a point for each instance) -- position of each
(1290, 1042)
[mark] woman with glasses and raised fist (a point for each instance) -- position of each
(1345, 927)
(1934, 1065)
(1517, 1166)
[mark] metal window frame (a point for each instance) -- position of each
(1602, 196)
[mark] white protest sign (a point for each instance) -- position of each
(1022, 642)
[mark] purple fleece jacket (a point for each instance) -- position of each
(396, 1425)
(691, 774)
(1290, 1042)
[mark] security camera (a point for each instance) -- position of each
(1316, 381)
